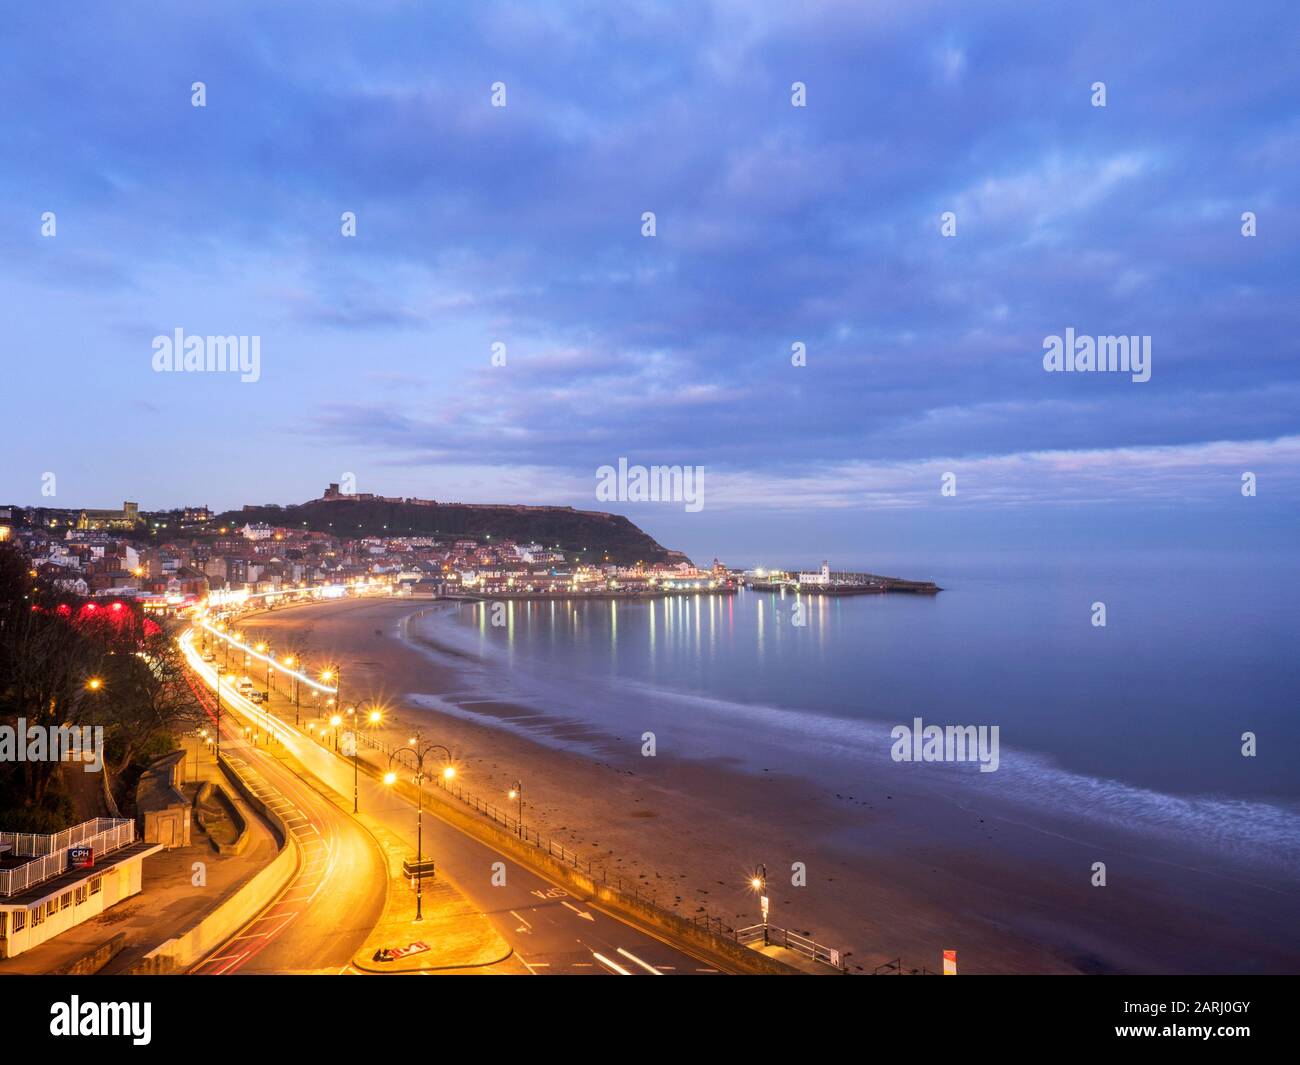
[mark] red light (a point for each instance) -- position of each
(90, 606)
(117, 606)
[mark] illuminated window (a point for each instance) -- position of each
(38, 915)
(95, 884)
(81, 894)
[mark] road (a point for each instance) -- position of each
(551, 931)
(339, 884)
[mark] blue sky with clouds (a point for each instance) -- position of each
(776, 224)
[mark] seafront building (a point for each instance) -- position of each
(50, 883)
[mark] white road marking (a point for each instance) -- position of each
(581, 913)
(637, 961)
(611, 964)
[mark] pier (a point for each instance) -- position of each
(834, 583)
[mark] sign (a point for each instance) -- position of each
(763, 901)
(949, 963)
(393, 953)
(81, 857)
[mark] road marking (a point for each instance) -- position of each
(706, 970)
(526, 926)
(581, 913)
(637, 961)
(611, 964)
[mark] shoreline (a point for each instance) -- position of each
(891, 871)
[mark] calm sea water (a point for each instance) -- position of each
(1138, 723)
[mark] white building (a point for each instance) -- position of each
(821, 577)
(49, 883)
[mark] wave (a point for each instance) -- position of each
(1031, 786)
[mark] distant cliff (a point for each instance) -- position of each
(590, 535)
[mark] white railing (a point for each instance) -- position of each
(37, 844)
(103, 835)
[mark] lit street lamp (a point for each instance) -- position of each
(291, 661)
(374, 717)
(517, 792)
(759, 884)
(220, 670)
(390, 778)
(262, 650)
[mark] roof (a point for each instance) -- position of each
(57, 885)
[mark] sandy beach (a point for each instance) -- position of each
(891, 873)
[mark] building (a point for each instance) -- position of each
(818, 579)
(126, 518)
(49, 883)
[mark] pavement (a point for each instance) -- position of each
(452, 935)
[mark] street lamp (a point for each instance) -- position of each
(759, 883)
(390, 778)
(374, 717)
(94, 684)
(220, 671)
(291, 661)
(262, 650)
(517, 792)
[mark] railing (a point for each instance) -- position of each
(112, 834)
(37, 844)
(782, 937)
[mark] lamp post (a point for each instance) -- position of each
(517, 792)
(390, 778)
(262, 649)
(220, 670)
(291, 661)
(759, 884)
(374, 717)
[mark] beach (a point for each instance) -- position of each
(894, 868)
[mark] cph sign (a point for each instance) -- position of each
(81, 857)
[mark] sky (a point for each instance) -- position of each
(774, 225)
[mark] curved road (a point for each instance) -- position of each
(337, 894)
(551, 931)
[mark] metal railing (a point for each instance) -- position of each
(37, 844)
(783, 937)
(103, 835)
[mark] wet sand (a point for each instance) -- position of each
(890, 873)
